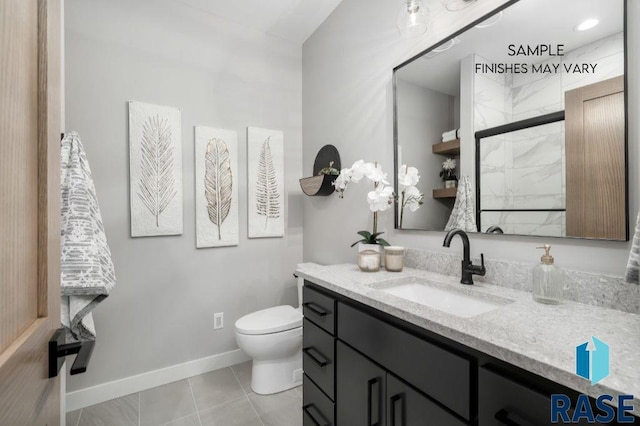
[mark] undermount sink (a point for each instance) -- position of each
(437, 296)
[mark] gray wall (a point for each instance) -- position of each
(347, 101)
(218, 74)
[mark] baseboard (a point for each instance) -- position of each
(117, 388)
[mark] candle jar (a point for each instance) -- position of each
(394, 258)
(369, 261)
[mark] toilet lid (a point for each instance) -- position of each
(271, 320)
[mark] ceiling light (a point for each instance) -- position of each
(586, 25)
(443, 47)
(492, 20)
(413, 18)
(455, 5)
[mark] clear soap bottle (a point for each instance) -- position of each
(548, 279)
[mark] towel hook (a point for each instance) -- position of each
(58, 350)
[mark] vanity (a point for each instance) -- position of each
(377, 352)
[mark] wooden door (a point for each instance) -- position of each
(29, 209)
(595, 157)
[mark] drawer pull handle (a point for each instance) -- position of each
(373, 402)
(315, 309)
(394, 400)
(307, 411)
(320, 360)
(503, 417)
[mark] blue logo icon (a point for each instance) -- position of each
(592, 362)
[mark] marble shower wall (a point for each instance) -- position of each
(526, 169)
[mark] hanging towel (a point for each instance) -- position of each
(633, 265)
(451, 135)
(463, 215)
(87, 274)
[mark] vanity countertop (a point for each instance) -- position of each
(538, 338)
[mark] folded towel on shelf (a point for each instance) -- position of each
(451, 135)
(463, 215)
(87, 274)
(633, 264)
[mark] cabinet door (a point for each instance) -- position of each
(360, 389)
(407, 407)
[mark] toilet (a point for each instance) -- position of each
(272, 337)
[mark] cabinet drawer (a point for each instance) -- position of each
(317, 409)
(407, 407)
(319, 308)
(503, 401)
(442, 375)
(318, 356)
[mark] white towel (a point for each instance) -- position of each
(87, 273)
(463, 215)
(633, 264)
(451, 135)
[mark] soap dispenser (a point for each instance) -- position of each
(548, 279)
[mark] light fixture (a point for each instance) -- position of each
(442, 48)
(455, 5)
(492, 20)
(413, 18)
(586, 25)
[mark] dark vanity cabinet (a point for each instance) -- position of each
(360, 388)
(318, 358)
(363, 367)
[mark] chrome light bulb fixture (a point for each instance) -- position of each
(413, 18)
(455, 5)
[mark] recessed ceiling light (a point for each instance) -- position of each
(492, 20)
(587, 25)
(442, 48)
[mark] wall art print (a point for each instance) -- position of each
(216, 157)
(155, 155)
(265, 163)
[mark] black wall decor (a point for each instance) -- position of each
(321, 183)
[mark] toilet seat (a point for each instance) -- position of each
(270, 320)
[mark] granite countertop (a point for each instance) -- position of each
(535, 337)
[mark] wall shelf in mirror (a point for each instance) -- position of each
(321, 183)
(445, 192)
(447, 148)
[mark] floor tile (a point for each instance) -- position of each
(280, 409)
(192, 420)
(166, 403)
(299, 389)
(243, 373)
(215, 388)
(72, 417)
(120, 411)
(235, 413)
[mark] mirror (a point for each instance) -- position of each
(530, 106)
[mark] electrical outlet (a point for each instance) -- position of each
(218, 320)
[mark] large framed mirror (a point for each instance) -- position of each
(529, 103)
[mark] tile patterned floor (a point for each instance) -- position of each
(218, 398)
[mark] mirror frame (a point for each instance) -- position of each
(507, 125)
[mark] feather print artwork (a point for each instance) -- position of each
(218, 182)
(216, 187)
(267, 196)
(157, 186)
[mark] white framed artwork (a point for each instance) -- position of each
(265, 169)
(216, 157)
(155, 161)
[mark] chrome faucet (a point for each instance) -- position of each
(468, 268)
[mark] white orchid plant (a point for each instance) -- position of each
(382, 196)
